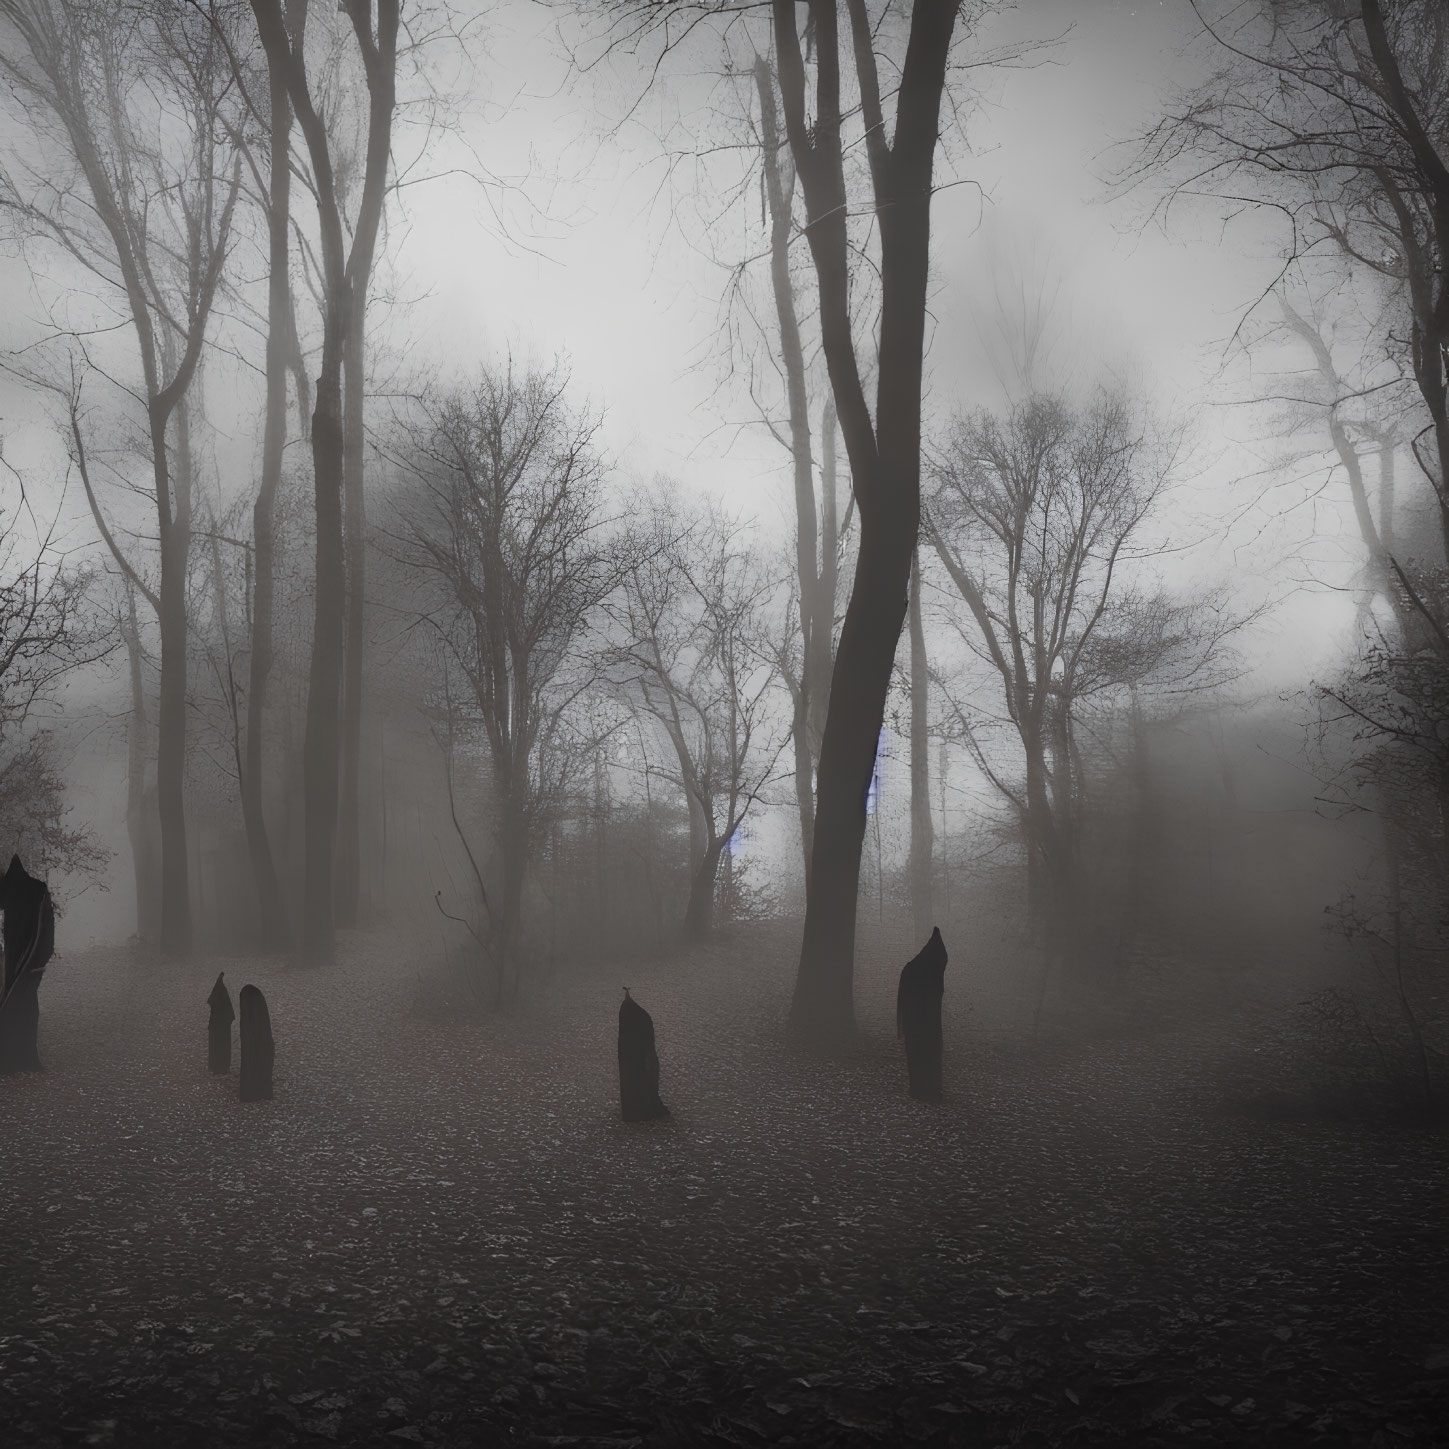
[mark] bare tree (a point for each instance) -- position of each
(506, 519)
(884, 449)
(1038, 519)
(693, 655)
(130, 110)
(49, 628)
(346, 271)
(1335, 116)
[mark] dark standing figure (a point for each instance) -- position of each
(257, 1049)
(218, 1029)
(638, 1064)
(918, 1017)
(29, 941)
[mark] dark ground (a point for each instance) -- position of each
(441, 1233)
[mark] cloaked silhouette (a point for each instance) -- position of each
(29, 937)
(257, 1048)
(638, 1064)
(918, 1017)
(218, 1028)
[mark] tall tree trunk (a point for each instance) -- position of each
(814, 667)
(601, 851)
(140, 801)
(823, 1010)
(171, 709)
(1139, 840)
(324, 681)
(349, 846)
(885, 453)
(512, 845)
(922, 835)
(345, 275)
(824, 637)
(275, 929)
(1041, 863)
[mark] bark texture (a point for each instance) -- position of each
(884, 451)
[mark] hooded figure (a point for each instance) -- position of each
(638, 1064)
(218, 1029)
(257, 1049)
(918, 1017)
(29, 941)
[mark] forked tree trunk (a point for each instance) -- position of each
(345, 275)
(884, 452)
(823, 1009)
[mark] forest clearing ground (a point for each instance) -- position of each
(440, 1232)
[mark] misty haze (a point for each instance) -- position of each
(724, 722)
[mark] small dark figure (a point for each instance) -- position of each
(218, 1028)
(918, 1017)
(638, 1064)
(257, 1049)
(29, 940)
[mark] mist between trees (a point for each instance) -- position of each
(375, 635)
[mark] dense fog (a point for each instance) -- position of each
(547, 550)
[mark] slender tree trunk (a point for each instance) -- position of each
(814, 666)
(281, 323)
(601, 852)
(349, 861)
(922, 835)
(824, 637)
(945, 833)
(324, 680)
(140, 801)
(171, 710)
(1140, 831)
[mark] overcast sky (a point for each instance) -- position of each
(619, 281)
(592, 253)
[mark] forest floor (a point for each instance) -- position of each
(440, 1232)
